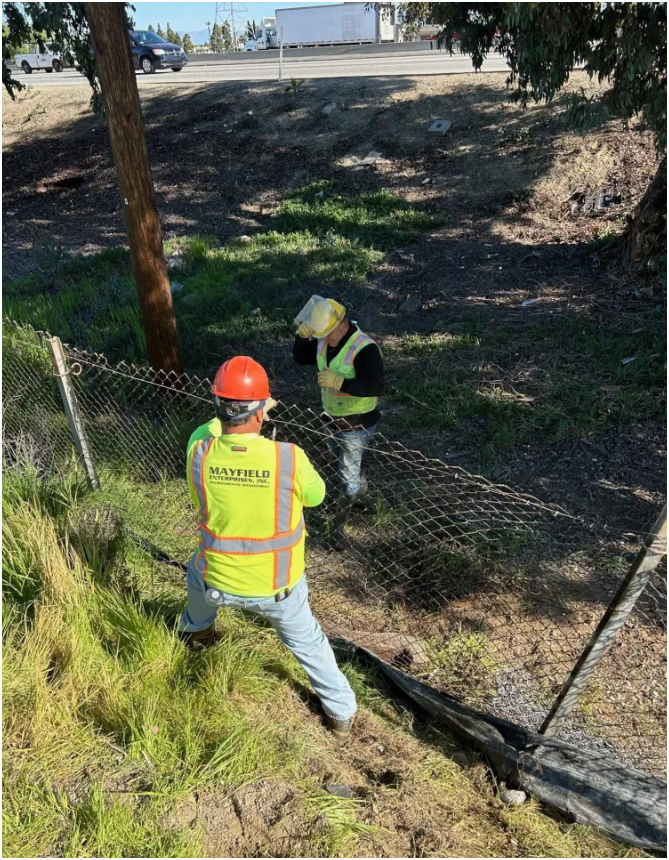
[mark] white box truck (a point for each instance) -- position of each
(332, 24)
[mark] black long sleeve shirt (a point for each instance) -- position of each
(369, 378)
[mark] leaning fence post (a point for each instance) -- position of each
(647, 559)
(66, 388)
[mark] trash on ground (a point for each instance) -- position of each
(327, 109)
(407, 258)
(244, 238)
(338, 790)
(175, 288)
(172, 262)
(439, 126)
(426, 181)
(628, 360)
(593, 201)
(10, 212)
(372, 157)
(255, 312)
(320, 193)
(528, 302)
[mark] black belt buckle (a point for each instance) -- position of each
(282, 595)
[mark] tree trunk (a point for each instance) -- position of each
(109, 32)
(647, 234)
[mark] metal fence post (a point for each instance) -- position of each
(77, 430)
(281, 54)
(649, 556)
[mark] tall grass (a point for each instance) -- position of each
(106, 715)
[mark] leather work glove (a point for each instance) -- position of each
(304, 330)
(329, 379)
(270, 403)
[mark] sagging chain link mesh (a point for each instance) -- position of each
(483, 592)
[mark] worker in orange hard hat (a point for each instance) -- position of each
(249, 492)
(351, 378)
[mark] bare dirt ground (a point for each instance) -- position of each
(223, 156)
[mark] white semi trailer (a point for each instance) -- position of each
(333, 24)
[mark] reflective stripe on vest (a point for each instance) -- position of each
(284, 538)
(340, 403)
(360, 341)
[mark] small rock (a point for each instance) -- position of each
(244, 238)
(380, 749)
(461, 758)
(10, 212)
(255, 312)
(338, 790)
(513, 797)
(327, 109)
(411, 305)
(175, 288)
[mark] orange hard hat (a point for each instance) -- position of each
(241, 378)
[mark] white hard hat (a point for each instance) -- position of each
(325, 316)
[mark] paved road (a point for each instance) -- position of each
(425, 63)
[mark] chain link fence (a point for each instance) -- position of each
(483, 592)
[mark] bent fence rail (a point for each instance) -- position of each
(483, 592)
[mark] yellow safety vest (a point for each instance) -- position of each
(335, 402)
(248, 491)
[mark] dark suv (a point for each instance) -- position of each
(150, 52)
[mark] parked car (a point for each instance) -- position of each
(151, 52)
(36, 59)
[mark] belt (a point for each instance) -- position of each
(344, 422)
(282, 595)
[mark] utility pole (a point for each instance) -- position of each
(109, 32)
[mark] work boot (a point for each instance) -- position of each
(199, 638)
(342, 513)
(340, 728)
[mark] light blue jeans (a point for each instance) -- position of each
(348, 447)
(294, 621)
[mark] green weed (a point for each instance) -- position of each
(494, 387)
(379, 220)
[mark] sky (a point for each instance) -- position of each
(191, 17)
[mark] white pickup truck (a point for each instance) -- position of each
(36, 59)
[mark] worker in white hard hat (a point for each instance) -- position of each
(351, 378)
